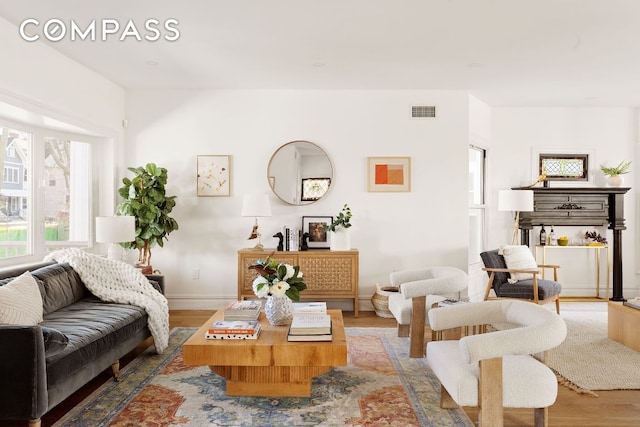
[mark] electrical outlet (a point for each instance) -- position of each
(195, 273)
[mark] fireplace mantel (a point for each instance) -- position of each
(580, 206)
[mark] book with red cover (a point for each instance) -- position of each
(234, 327)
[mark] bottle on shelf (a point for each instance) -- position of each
(553, 240)
(543, 236)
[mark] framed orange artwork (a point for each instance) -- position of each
(388, 174)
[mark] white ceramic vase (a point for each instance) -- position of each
(279, 310)
(341, 239)
(615, 180)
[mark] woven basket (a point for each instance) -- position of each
(380, 300)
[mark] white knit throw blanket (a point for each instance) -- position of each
(116, 281)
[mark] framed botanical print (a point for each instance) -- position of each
(214, 176)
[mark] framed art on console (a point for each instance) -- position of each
(316, 227)
(214, 176)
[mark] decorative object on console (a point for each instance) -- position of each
(515, 201)
(595, 237)
(613, 173)
(214, 176)
(280, 284)
(304, 243)
(339, 229)
(146, 200)
(388, 174)
(316, 228)
(114, 230)
(280, 241)
(256, 205)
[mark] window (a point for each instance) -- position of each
(15, 197)
(66, 199)
(477, 162)
(10, 175)
(63, 207)
(564, 167)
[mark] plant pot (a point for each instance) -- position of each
(615, 180)
(341, 239)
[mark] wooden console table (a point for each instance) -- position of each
(580, 206)
(328, 274)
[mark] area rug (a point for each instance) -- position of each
(381, 386)
(589, 359)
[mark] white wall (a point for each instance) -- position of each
(609, 135)
(393, 231)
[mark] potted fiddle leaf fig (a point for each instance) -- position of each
(145, 198)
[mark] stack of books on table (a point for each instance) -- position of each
(310, 323)
(234, 330)
(242, 310)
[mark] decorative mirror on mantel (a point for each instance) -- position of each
(300, 173)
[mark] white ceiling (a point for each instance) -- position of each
(505, 52)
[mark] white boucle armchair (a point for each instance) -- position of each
(419, 290)
(497, 370)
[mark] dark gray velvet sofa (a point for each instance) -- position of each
(80, 337)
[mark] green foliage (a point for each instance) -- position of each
(342, 220)
(620, 169)
(145, 199)
(273, 272)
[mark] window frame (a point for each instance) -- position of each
(37, 247)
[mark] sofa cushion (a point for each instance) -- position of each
(20, 301)
(60, 286)
(93, 327)
(54, 340)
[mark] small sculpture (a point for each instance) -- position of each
(304, 244)
(542, 178)
(280, 241)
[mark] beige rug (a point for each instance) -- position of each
(589, 359)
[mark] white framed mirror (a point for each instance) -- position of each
(300, 173)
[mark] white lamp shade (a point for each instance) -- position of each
(115, 229)
(256, 205)
(515, 200)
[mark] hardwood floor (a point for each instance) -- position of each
(620, 408)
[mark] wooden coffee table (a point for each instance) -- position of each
(270, 365)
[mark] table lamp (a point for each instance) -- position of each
(515, 201)
(256, 205)
(114, 230)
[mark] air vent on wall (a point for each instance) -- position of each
(423, 111)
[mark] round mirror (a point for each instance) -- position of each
(300, 173)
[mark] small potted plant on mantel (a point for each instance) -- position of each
(614, 173)
(339, 229)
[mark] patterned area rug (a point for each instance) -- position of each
(381, 386)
